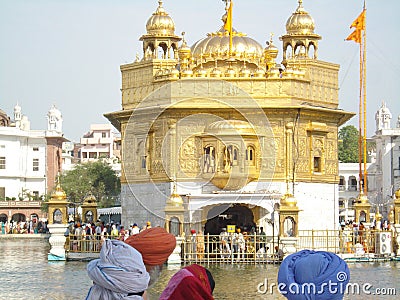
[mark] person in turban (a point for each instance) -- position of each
(313, 275)
(192, 282)
(119, 273)
(156, 245)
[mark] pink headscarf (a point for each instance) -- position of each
(191, 280)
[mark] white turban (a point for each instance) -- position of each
(119, 273)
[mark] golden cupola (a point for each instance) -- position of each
(216, 47)
(300, 22)
(219, 47)
(300, 36)
(160, 23)
(160, 29)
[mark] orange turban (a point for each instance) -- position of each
(155, 245)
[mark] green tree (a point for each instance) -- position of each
(97, 177)
(348, 144)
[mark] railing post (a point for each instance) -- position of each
(327, 240)
(208, 248)
(312, 239)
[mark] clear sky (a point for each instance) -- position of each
(68, 52)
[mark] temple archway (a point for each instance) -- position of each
(222, 215)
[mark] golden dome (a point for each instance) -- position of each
(90, 198)
(397, 194)
(288, 200)
(271, 51)
(216, 46)
(300, 22)
(230, 127)
(175, 199)
(184, 50)
(363, 199)
(59, 193)
(160, 23)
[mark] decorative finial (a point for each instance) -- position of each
(183, 38)
(300, 2)
(160, 3)
(271, 36)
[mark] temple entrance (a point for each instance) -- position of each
(238, 215)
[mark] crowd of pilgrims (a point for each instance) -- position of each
(32, 226)
(81, 236)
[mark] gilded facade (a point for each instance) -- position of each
(230, 125)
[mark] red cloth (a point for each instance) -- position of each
(155, 245)
(190, 282)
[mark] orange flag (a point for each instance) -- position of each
(355, 36)
(228, 23)
(359, 23)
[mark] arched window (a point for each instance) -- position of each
(250, 155)
(232, 155)
(317, 164)
(209, 159)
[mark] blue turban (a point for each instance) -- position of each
(313, 275)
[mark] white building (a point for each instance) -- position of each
(349, 189)
(29, 159)
(384, 175)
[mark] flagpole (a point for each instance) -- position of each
(365, 102)
(360, 122)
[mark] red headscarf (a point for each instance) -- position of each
(155, 245)
(190, 282)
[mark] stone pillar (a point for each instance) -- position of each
(289, 245)
(58, 219)
(175, 257)
(57, 242)
(174, 211)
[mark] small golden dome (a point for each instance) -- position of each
(271, 51)
(160, 23)
(216, 46)
(300, 22)
(229, 127)
(288, 200)
(184, 50)
(175, 199)
(90, 198)
(59, 193)
(397, 194)
(362, 198)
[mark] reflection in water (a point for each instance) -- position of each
(25, 273)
